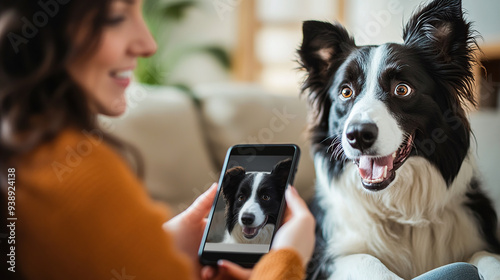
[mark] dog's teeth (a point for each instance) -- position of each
(374, 181)
(385, 171)
(394, 155)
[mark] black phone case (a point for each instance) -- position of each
(246, 259)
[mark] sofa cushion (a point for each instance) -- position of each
(246, 114)
(163, 123)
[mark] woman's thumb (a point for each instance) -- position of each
(201, 206)
(293, 199)
(234, 270)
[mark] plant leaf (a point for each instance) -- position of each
(177, 10)
(220, 54)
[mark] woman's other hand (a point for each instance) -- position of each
(297, 231)
(187, 228)
(225, 270)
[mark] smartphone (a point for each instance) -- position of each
(249, 204)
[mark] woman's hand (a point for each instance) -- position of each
(297, 232)
(225, 270)
(187, 227)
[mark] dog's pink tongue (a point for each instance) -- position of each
(249, 231)
(374, 168)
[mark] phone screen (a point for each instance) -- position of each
(249, 203)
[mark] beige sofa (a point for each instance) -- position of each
(184, 144)
(183, 139)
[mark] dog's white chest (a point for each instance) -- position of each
(413, 226)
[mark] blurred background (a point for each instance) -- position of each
(254, 41)
(226, 73)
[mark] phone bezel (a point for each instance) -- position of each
(248, 259)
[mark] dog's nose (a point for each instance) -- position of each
(247, 218)
(361, 135)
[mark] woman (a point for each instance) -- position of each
(81, 212)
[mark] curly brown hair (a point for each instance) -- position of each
(38, 98)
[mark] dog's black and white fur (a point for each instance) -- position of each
(397, 189)
(253, 202)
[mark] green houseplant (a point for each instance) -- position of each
(162, 16)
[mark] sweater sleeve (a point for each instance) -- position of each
(84, 215)
(283, 264)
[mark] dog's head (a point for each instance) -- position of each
(253, 198)
(380, 105)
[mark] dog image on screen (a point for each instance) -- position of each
(253, 202)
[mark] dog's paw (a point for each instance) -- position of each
(487, 264)
(361, 267)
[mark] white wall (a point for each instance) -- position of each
(486, 17)
(380, 21)
(211, 22)
(370, 21)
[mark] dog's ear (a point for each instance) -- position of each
(281, 171)
(232, 179)
(323, 43)
(439, 33)
(324, 47)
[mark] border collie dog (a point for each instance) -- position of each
(397, 192)
(253, 202)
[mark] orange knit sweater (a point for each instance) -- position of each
(82, 214)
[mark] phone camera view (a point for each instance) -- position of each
(248, 206)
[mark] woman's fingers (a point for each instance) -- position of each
(298, 231)
(225, 270)
(233, 270)
(288, 211)
(201, 206)
(208, 273)
(297, 204)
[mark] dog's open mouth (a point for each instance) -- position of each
(251, 232)
(378, 172)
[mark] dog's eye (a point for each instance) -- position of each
(241, 197)
(402, 90)
(346, 92)
(265, 197)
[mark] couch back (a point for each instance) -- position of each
(183, 141)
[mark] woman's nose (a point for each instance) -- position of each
(144, 44)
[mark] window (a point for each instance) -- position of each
(271, 33)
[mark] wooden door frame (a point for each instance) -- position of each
(246, 67)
